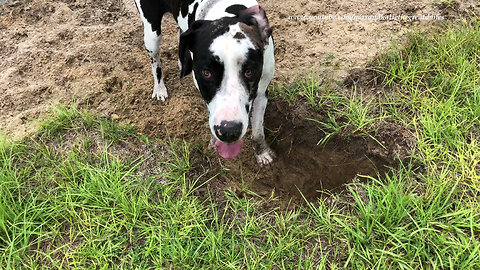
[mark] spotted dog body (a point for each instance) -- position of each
(227, 45)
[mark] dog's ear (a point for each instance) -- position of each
(256, 16)
(185, 47)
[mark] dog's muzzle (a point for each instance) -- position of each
(228, 131)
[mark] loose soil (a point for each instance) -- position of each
(302, 168)
(91, 52)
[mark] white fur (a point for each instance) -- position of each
(265, 157)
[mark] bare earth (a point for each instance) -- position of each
(91, 52)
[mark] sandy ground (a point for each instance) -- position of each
(91, 52)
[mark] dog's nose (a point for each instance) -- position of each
(228, 131)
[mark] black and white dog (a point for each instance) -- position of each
(228, 46)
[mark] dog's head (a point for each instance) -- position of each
(227, 66)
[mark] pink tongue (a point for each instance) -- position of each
(229, 150)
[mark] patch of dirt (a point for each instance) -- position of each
(302, 168)
(91, 52)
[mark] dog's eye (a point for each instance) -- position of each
(248, 73)
(206, 74)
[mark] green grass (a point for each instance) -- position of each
(423, 218)
(439, 95)
(87, 193)
(353, 114)
(71, 198)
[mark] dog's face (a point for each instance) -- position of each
(227, 65)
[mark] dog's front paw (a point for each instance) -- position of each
(266, 157)
(160, 92)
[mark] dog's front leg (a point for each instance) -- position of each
(153, 38)
(263, 153)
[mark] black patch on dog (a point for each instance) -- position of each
(208, 86)
(254, 63)
(187, 41)
(178, 7)
(235, 9)
(239, 35)
(191, 17)
(153, 11)
(159, 73)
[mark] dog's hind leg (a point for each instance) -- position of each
(152, 13)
